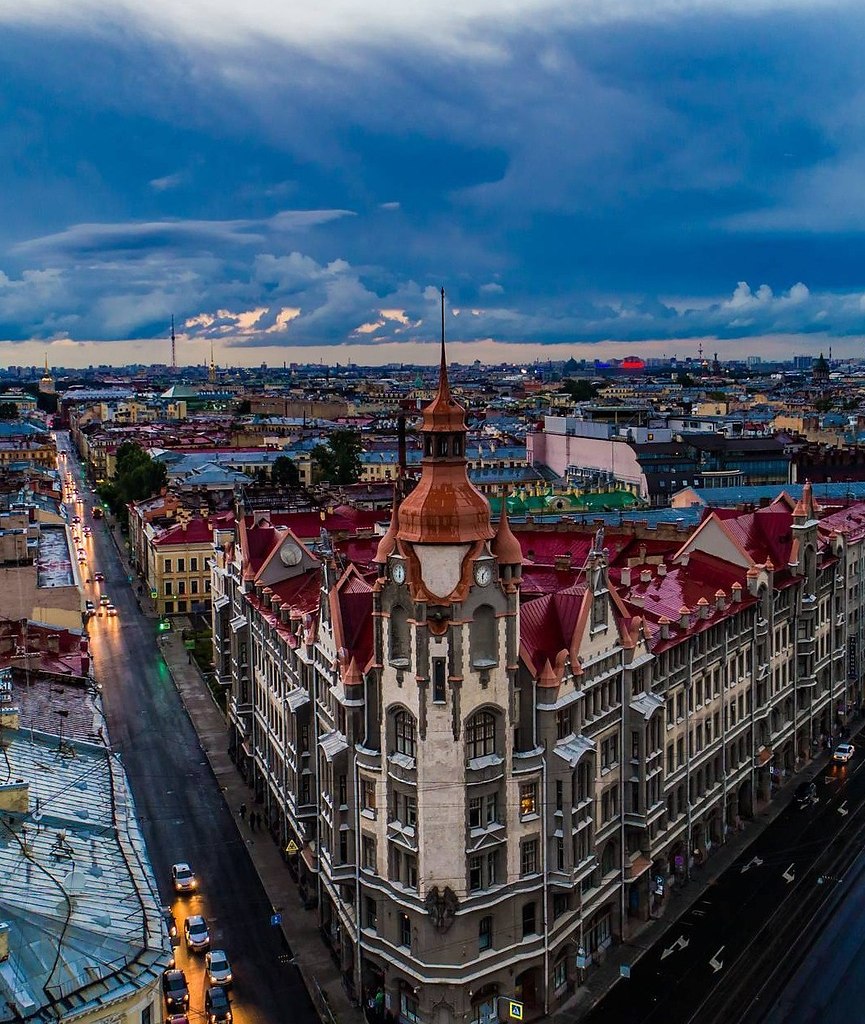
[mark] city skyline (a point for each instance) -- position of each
(291, 182)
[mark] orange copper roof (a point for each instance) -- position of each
(505, 545)
(444, 508)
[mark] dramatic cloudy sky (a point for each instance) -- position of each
(294, 180)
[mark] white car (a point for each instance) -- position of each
(182, 875)
(196, 934)
(218, 968)
(843, 752)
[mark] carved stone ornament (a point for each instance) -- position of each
(441, 907)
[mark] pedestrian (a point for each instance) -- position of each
(242, 812)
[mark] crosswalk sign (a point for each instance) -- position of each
(515, 1010)
(292, 848)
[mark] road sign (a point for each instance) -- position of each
(276, 920)
(292, 848)
(189, 645)
(515, 1009)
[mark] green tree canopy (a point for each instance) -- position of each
(338, 460)
(137, 477)
(284, 473)
(8, 411)
(581, 390)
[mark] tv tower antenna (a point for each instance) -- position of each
(173, 345)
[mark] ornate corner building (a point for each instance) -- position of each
(488, 756)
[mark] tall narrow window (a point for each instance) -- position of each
(439, 680)
(483, 638)
(485, 933)
(404, 733)
(481, 735)
(399, 636)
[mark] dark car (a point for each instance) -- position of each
(216, 1005)
(806, 794)
(175, 990)
(170, 923)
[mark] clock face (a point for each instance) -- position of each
(483, 574)
(398, 573)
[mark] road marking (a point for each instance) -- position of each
(790, 873)
(680, 943)
(715, 963)
(842, 810)
(754, 862)
(830, 778)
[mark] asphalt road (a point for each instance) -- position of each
(179, 803)
(731, 958)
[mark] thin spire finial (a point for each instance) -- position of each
(444, 386)
(173, 345)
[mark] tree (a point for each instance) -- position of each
(136, 477)
(581, 390)
(284, 473)
(338, 460)
(8, 411)
(685, 380)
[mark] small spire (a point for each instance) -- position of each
(444, 384)
(46, 363)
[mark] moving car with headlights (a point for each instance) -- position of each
(175, 990)
(216, 1006)
(217, 968)
(843, 752)
(182, 876)
(196, 934)
(111, 609)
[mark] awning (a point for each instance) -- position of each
(573, 748)
(333, 743)
(297, 698)
(646, 704)
(238, 622)
(221, 602)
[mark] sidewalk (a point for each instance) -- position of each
(300, 927)
(681, 898)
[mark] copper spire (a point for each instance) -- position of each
(445, 507)
(505, 545)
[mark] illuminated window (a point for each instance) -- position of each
(528, 799)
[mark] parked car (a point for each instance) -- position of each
(170, 922)
(216, 1005)
(217, 968)
(175, 990)
(182, 875)
(196, 934)
(843, 752)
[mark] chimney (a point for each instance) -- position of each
(720, 600)
(703, 608)
(664, 623)
(15, 797)
(625, 577)
(563, 562)
(4, 941)
(646, 576)
(684, 616)
(736, 590)
(752, 577)
(284, 609)
(10, 718)
(662, 569)
(53, 643)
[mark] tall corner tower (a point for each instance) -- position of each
(446, 647)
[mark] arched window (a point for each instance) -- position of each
(399, 635)
(481, 735)
(483, 638)
(404, 733)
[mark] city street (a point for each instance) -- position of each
(728, 958)
(181, 807)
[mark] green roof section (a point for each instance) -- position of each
(548, 501)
